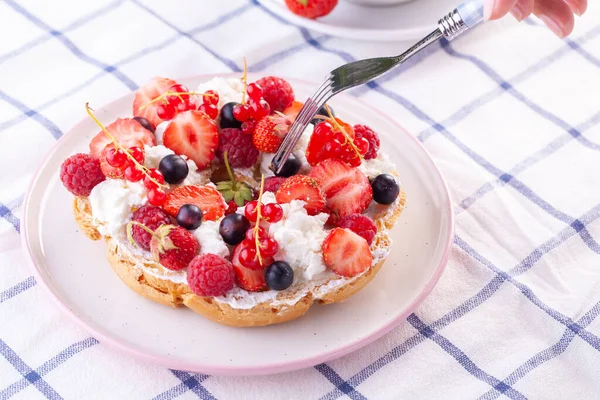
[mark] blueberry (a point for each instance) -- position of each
(279, 275)
(233, 228)
(227, 119)
(385, 189)
(290, 167)
(189, 217)
(174, 168)
(322, 111)
(145, 123)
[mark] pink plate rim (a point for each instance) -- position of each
(241, 371)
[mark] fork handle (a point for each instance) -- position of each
(465, 16)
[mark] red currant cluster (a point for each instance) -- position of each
(341, 145)
(131, 162)
(267, 246)
(178, 99)
(254, 110)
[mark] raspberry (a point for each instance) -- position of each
(363, 131)
(151, 217)
(210, 275)
(272, 183)
(361, 225)
(80, 173)
(241, 153)
(277, 92)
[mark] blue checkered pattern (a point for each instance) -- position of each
(509, 113)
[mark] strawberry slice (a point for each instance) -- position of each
(346, 253)
(292, 111)
(252, 280)
(347, 189)
(144, 95)
(193, 134)
(301, 187)
(207, 198)
(127, 132)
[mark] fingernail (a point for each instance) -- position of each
(488, 8)
(553, 25)
(517, 12)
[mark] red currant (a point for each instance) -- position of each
(231, 208)
(272, 212)
(268, 247)
(116, 157)
(250, 211)
(354, 161)
(339, 136)
(156, 196)
(249, 258)
(132, 174)
(210, 97)
(137, 153)
(210, 109)
(156, 175)
(180, 89)
(333, 148)
(260, 109)
(184, 106)
(248, 127)
(241, 112)
(166, 111)
(262, 233)
(362, 144)
(324, 129)
(254, 91)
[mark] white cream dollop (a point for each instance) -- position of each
(211, 241)
(228, 89)
(300, 237)
(377, 166)
(159, 131)
(154, 154)
(112, 204)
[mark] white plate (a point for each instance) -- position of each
(407, 21)
(77, 275)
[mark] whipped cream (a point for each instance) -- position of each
(210, 239)
(377, 166)
(228, 89)
(154, 154)
(112, 203)
(159, 131)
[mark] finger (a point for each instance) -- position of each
(494, 9)
(577, 6)
(556, 15)
(522, 9)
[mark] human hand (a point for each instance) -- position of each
(558, 15)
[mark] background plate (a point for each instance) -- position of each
(77, 275)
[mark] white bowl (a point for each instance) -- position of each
(376, 3)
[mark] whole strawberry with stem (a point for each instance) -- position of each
(270, 132)
(172, 246)
(311, 8)
(238, 192)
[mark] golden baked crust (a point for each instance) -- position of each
(175, 294)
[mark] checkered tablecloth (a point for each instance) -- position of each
(509, 113)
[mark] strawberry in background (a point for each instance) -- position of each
(311, 8)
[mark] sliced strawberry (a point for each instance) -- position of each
(207, 198)
(193, 134)
(246, 278)
(127, 132)
(346, 253)
(292, 111)
(301, 187)
(347, 189)
(144, 95)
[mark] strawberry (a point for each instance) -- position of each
(311, 8)
(127, 132)
(292, 111)
(144, 95)
(270, 131)
(347, 189)
(173, 247)
(301, 187)
(207, 198)
(193, 134)
(346, 253)
(248, 279)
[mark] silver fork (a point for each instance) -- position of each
(463, 17)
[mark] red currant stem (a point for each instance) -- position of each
(167, 94)
(130, 231)
(118, 146)
(245, 81)
(258, 218)
(341, 128)
(231, 177)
